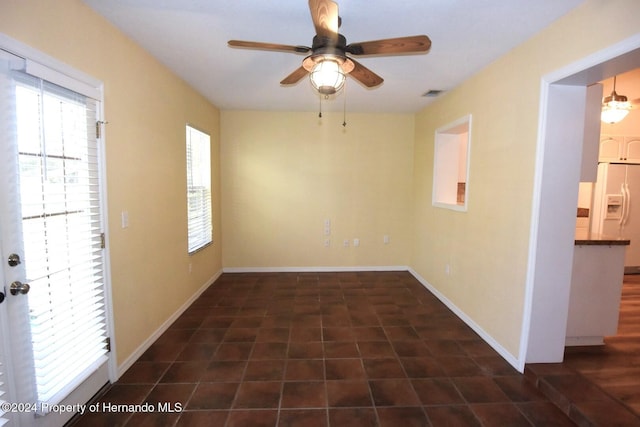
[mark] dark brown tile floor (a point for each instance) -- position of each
(323, 349)
(600, 385)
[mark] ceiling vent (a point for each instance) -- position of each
(432, 93)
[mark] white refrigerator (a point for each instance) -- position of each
(616, 208)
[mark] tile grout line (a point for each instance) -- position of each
(329, 318)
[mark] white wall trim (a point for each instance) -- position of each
(42, 59)
(614, 59)
(50, 68)
(510, 358)
(596, 59)
(533, 231)
(313, 269)
(135, 355)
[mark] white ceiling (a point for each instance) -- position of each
(190, 37)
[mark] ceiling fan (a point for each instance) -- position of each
(328, 63)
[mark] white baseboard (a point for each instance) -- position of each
(313, 269)
(580, 341)
(122, 368)
(510, 358)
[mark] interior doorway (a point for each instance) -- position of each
(558, 162)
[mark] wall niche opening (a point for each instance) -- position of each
(451, 165)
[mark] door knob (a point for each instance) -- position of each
(19, 288)
(14, 259)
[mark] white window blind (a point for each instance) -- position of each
(200, 227)
(62, 234)
(4, 419)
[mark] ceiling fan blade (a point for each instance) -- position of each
(269, 46)
(410, 44)
(294, 77)
(324, 14)
(365, 75)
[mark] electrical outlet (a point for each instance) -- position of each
(386, 239)
(345, 243)
(356, 242)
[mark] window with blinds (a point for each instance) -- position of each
(62, 234)
(199, 219)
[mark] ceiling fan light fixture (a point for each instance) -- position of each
(328, 63)
(614, 107)
(327, 76)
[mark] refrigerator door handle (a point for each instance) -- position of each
(627, 203)
(623, 207)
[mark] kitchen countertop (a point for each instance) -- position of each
(586, 237)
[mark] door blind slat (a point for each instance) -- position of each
(60, 207)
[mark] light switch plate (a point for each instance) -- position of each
(125, 219)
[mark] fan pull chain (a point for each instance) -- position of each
(320, 108)
(344, 106)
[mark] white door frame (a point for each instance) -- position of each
(77, 77)
(557, 175)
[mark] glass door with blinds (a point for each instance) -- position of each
(52, 247)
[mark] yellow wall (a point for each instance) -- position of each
(487, 246)
(284, 174)
(147, 108)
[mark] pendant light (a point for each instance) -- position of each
(614, 107)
